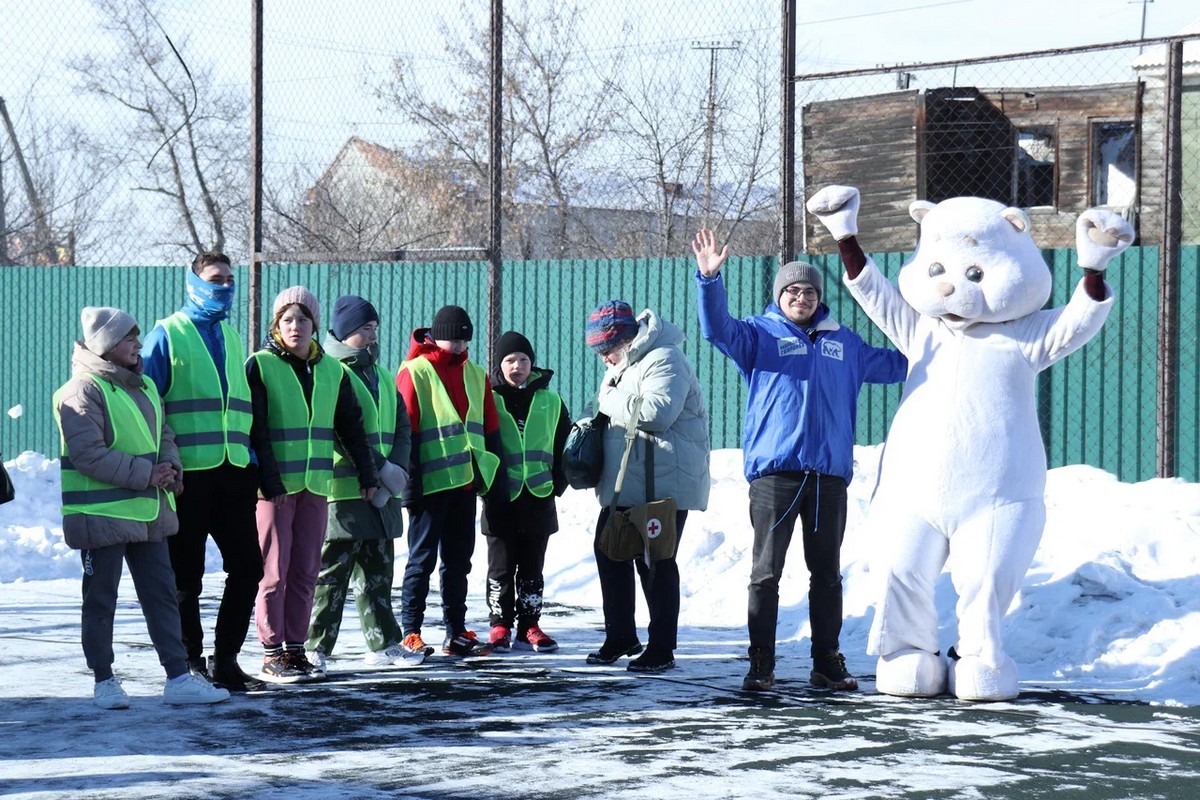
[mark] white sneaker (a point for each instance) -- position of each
(319, 663)
(110, 694)
(189, 689)
(394, 656)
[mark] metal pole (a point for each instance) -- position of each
(495, 131)
(41, 228)
(1168, 285)
(708, 134)
(787, 136)
(254, 334)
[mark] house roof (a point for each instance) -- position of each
(1156, 57)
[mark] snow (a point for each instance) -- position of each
(1110, 605)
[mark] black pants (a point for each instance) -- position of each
(220, 503)
(660, 588)
(775, 502)
(515, 581)
(442, 524)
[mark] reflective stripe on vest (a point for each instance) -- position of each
(208, 429)
(529, 456)
(132, 436)
(301, 435)
(446, 447)
(379, 422)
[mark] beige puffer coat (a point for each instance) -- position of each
(88, 432)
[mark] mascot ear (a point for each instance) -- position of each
(1018, 218)
(919, 208)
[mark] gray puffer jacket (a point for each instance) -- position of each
(87, 430)
(672, 414)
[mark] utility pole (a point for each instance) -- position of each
(712, 47)
(1143, 34)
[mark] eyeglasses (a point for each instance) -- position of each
(808, 293)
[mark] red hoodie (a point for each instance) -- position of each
(449, 368)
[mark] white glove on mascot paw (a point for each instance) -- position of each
(964, 470)
(837, 208)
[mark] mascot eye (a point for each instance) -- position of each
(974, 274)
(936, 269)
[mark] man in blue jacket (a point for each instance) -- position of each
(804, 372)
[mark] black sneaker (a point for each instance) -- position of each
(609, 653)
(198, 666)
(761, 676)
(465, 644)
(829, 672)
(653, 660)
(279, 668)
(227, 673)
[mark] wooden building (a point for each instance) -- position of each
(1053, 151)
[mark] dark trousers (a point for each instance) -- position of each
(220, 503)
(775, 502)
(660, 587)
(150, 569)
(515, 582)
(439, 524)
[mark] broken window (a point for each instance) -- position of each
(1033, 168)
(1113, 173)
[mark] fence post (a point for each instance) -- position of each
(495, 131)
(1168, 284)
(787, 134)
(254, 336)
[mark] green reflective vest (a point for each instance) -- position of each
(447, 449)
(208, 428)
(529, 455)
(301, 434)
(379, 422)
(131, 435)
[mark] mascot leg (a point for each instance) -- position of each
(989, 558)
(904, 632)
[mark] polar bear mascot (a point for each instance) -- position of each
(964, 469)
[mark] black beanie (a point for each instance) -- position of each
(350, 313)
(513, 342)
(451, 322)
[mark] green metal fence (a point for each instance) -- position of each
(1098, 406)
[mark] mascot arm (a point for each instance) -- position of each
(884, 304)
(1054, 334)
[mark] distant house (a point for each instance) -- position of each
(373, 198)
(1053, 151)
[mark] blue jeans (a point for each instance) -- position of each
(441, 523)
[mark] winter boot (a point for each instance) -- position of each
(610, 652)
(653, 660)
(761, 675)
(829, 672)
(227, 673)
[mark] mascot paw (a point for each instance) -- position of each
(837, 208)
(911, 673)
(972, 679)
(1100, 235)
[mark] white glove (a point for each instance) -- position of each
(837, 208)
(394, 478)
(1099, 235)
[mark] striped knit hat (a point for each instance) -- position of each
(609, 325)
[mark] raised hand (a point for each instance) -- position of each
(1099, 235)
(837, 208)
(708, 257)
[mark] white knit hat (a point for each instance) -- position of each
(298, 294)
(104, 327)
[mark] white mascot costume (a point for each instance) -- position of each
(964, 468)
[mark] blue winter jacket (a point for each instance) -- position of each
(802, 404)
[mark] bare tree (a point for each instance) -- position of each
(180, 137)
(556, 110)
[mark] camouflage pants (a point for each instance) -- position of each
(367, 567)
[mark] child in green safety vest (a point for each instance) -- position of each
(359, 537)
(120, 474)
(302, 402)
(534, 424)
(457, 454)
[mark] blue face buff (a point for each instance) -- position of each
(213, 299)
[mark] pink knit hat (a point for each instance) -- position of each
(298, 294)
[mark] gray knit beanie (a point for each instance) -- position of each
(797, 272)
(104, 327)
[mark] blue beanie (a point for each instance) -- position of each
(350, 313)
(609, 325)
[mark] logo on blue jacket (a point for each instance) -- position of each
(832, 349)
(792, 346)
